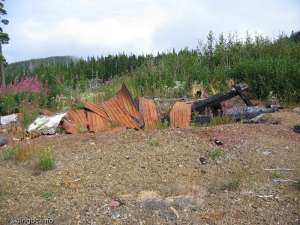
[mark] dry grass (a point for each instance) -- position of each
(41, 157)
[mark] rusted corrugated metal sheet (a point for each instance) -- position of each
(97, 123)
(124, 97)
(75, 121)
(122, 111)
(69, 127)
(96, 109)
(118, 115)
(180, 115)
(149, 113)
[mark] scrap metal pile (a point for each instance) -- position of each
(123, 111)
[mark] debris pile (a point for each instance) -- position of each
(122, 111)
(119, 111)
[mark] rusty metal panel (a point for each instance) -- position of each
(96, 109)
(76, 121)
(124, 98)
(70, 127)
(149, 113)
(119, 116)
(122, 111)
(180, 115)
(97, 123)
(78, 116)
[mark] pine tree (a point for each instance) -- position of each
(4, 39)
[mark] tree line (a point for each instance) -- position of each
(266, 65)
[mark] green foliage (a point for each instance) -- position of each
(154, 143)
(47, 195)
(4, 38)
(12, 102)
(163, 124)
(216, 154)
(29, 117)
(276, 175)
(46, 160)
(266, 65)
(9, 153)
(232, 184)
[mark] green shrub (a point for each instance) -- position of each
(46, 160)
(47, 195)
(232, 184)
(9, 153)
(13, 102)
(216, 154)
(276, 175)
(29, 116)
(154, 143)
(163, 125)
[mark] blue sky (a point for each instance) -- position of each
(42, 28)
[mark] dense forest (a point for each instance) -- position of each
(266, 65)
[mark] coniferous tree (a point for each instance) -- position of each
(4, 39)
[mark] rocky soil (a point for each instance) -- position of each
(166, 176)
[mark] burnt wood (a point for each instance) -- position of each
(216, 99)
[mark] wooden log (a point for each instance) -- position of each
(245, 98)
(214, 100)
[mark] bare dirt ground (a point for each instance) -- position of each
(156, 177)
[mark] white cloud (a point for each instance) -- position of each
(95, 27)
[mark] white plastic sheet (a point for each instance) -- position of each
(4, 120)
(46, 124)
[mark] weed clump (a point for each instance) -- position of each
(232, 184)
(216, 154)
(154, 143)
(47, 195)
(46, 160)
(10, 153)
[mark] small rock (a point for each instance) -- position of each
(296, 129)
(115, 215)
(266, 153)
(115, 204)
(203, 171)
(184, 201)
(145, 195)
(296, 110)
(203, 160)
(155, 204)
(3, 141)
(265, 118)
(218, 142)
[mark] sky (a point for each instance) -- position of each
(81, 28)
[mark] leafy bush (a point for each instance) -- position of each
(12, 102)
